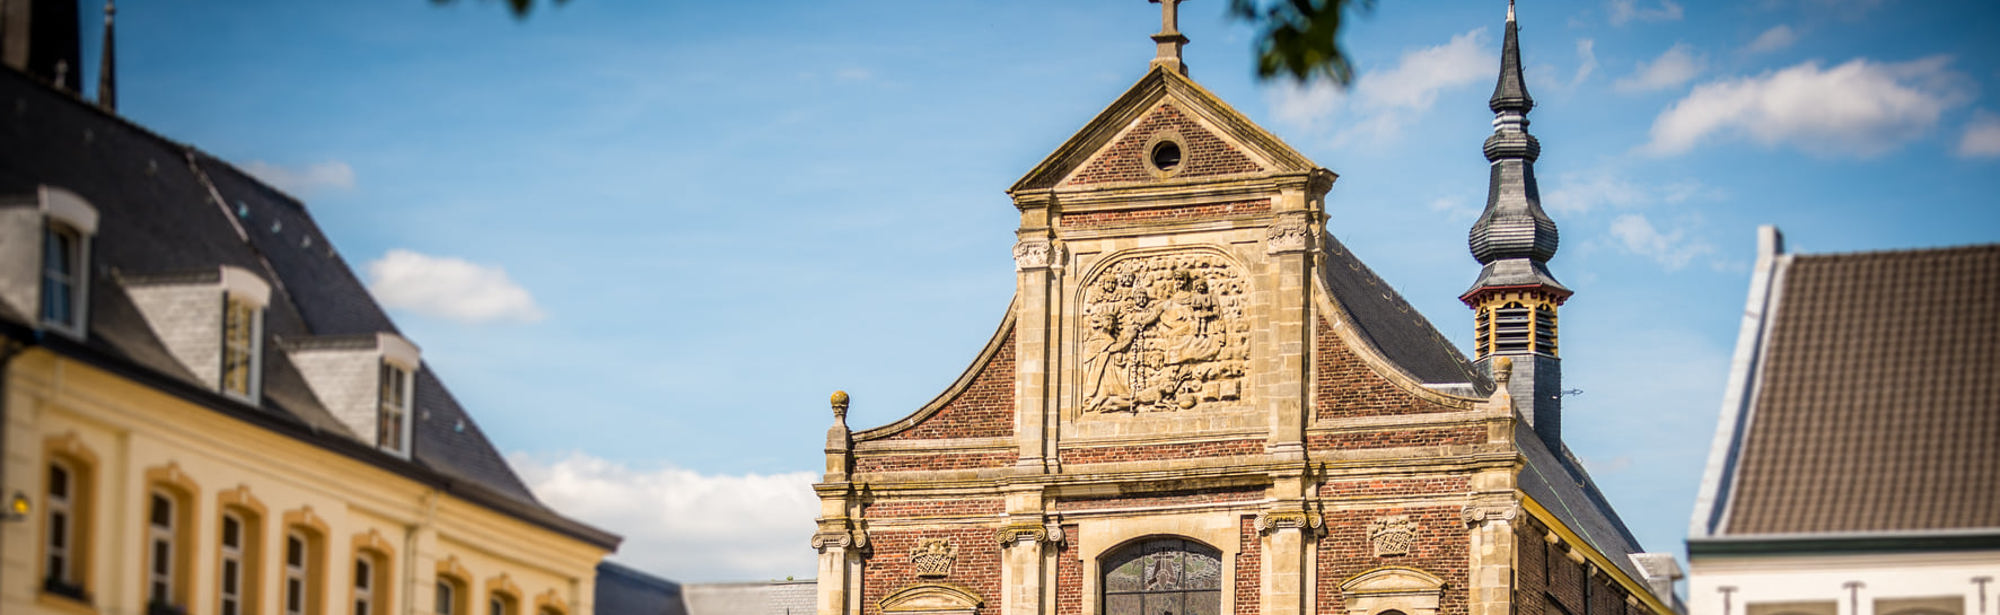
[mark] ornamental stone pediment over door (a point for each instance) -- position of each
(1163, 332)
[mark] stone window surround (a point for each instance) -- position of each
(1392, 588)
(1098, 538)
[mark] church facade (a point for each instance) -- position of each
(1201, 403)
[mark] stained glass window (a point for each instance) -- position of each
(1163, 576)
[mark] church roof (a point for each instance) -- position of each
(1388, 322)
(159, 215)
(1870, 401)
(623, 590)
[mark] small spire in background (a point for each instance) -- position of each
(107, 73)
(1169, 40)
(1510, 11)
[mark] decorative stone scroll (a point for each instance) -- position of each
(1288, 235)
(1481, 512)
(1165, 332)
(1392, 535)
(1038, 254)
(1027, 533)
(823, 540)
(1272, 521)
(933, 557)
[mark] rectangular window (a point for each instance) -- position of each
(59, 528)
(239, 345)
(60, 275)
(499, 605)
(160, 538)
(231, 600)
(395, 407)
(447, 599)
(295, 574)
(364, 581)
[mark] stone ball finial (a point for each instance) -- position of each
(839, 404)
(1503, 370)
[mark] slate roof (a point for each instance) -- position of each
(628, 591)
(1558, 481)
(168, 209)
(1396, 329)
(1877, 404)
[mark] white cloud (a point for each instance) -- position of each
(1456, 207)
(1586, 53)
(1674, 68)
(1860, 108)
(1982, 136)
(1625, 11)
(332, 174)
(685, 525)
(1581, 193)
(1778, 37)
(449, 288)
(1673, 250)
(1383, 100)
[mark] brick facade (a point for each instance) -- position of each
(1202, 153)
(1345, 386)
(1249, 566)
(1441, 548)
(887, 569)
(930, 508)
(985, 409)
(939, 461)
(1204, 496)
(1551, 581)
(1161, 452)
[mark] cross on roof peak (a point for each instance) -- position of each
(1169, 40)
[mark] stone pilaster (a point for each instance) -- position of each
(840, 544)
(1288, 528)
(1289, 245)
(1490, 517)
(1039, 260)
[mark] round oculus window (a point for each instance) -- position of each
(1166, 156)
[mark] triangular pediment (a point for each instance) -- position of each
(1216, 140)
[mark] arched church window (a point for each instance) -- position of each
(1163, 576)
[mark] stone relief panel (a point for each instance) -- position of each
(1392, 535)
(1163, 333)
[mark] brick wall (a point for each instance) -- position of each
(1548, 582)
(1202, 154)
(932, 508)
(1176, 213)
(1203, 496)
(1348, 387)
(1161, 452)
(1249, 567)
(886, 569)
(933, 461)
(1380, 487)
(1397, 438)
(1441, 547)
(1069, 576)
(985, 409)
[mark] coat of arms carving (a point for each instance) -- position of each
(1164, 332)
(933, 557)
(1392, 535)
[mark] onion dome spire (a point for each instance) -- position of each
(1513, 238)
(107, 71)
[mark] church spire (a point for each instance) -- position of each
(1514, 300)
(107, 71)
(1169, 40)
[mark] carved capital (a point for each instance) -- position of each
(1287, 235)
(1038, 254)
(839, 539)
(1024, 533)
(1477, 513)
(1298, 519)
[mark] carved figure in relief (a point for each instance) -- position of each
(1164, 333)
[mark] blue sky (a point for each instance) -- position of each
(644, 240)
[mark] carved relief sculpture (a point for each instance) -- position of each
(1163, 333)
(933, 557)
(1391, 535)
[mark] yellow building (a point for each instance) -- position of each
(205, 412)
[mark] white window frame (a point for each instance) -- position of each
(241, 287)
(161, 550)
(364, 585)
(67, 213)
(60, 559)
(447, 597)
(298, 583)
(228, 601)
(395, 397)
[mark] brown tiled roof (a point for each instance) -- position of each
(1878, 407)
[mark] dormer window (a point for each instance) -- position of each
(244, 296)
(241, 324)
(67, 224)
(393, 413)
